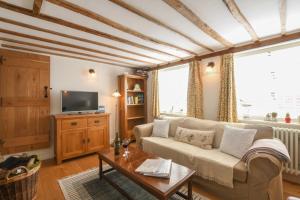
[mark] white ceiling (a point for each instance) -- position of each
(262, 15)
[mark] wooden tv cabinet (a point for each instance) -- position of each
(80, 134)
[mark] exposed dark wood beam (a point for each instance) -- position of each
(68, 45)
(238, 15)
(258, 44)
(37, 5)
(192, 17)
(76, 38)
(64, 50)
(62, 55)
(282, 10)
(95, 16)
(62, 22)
(138, 12)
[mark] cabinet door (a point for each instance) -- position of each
(73, 143)
(96, 138)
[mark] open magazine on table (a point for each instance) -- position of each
(155, 167)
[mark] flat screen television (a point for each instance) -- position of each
(78, 101)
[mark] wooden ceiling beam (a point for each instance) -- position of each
(138, 12)
(282, 10)
(9, 21)
(258, 44)
(192, 17)
(65, 23)
(62, 55)
(63, 50)
(95, 16)
(238, 15)
(68, 45)
(37, 5)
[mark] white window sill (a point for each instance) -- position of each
(282, 124)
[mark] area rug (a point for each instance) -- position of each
(87, 186)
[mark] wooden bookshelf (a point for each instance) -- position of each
(132, 103)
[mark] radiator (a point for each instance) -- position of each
(290, 137)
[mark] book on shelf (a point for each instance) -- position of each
(138, 99)
(155, 167)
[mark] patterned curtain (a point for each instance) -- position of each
(194, 96)
(155, 94)
(227, 101)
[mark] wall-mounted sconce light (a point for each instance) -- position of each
(92, 72)
(210, 66)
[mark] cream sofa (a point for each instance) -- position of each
(260, 180)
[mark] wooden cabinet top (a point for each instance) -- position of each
(70, 116)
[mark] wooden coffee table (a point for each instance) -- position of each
(160, 187)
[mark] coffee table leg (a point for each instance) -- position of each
(190, 190)
(100, 168)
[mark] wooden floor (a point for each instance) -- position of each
(48, 188)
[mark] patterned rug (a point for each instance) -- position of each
(87, 186)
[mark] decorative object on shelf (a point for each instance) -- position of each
(268, 117)
(287, 118)
(141, 72)
(117, 144)
(137, 88)
(274, 116)
(92, 72)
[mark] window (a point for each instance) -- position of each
(268, 82)
(173, 83)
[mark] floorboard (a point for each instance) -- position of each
(48, 188)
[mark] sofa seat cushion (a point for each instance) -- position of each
(198, 159)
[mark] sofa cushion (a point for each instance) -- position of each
(237, 141)
(198, 124)
(199, 138)
(263, 131)
(219, 130)
(160, 128)
(193, 157)
(174, 123)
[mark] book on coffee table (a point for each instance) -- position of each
(155, 167)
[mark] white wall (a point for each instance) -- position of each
(211, 89)
(72, 74)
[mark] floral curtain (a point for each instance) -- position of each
(195, 93)
(155, 94)
(227, 99)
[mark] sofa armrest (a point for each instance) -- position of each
(264, 175)
(144, 130)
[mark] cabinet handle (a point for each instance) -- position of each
(83, 141)
(88, 140)
(96, 121)
(46, 91)
(2, 59)
(73, 123)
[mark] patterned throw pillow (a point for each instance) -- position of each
(199, 138)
